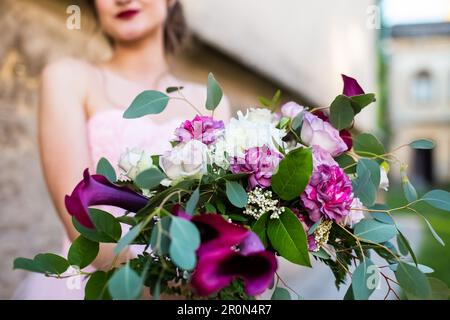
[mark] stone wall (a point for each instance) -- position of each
(33, 34)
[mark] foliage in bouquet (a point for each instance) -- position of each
(213, 213)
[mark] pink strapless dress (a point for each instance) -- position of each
(109, 136)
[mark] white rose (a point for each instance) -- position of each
(255, 129)
(356, 213)
(133, 162)
(257, 115)
(384, 180)
(185, 160)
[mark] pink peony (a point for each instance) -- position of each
(317, 132)
(202, 128)
(259, 162)
(328, 194)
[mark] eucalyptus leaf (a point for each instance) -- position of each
(365, 279)
(159, 239)
(347, 162)
(293, 174)
(412, 280)
(147, 102)
(408, 189)
(185, 239)
(374, 231)
(281, 294)
(128, 238)
(439, 199)
(150, 178)
(422, 144)
(214, 93)
(404, 247)
(105, 168)
(433, 232)
(192, 202)
(236, 194)
(125, 284)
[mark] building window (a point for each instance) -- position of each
(422, 88)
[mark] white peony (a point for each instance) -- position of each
(133, 162)
(184, 160)
(356, 213)
(254, 129)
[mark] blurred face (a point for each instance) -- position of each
(130, 20)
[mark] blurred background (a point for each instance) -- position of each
(399, 49)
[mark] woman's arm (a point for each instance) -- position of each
(63, 143)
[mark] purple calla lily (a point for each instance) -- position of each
(229, 251)
(351, 87)
(97, 190)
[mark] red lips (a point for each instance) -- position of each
(127, 14)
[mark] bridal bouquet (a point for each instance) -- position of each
(213, 213)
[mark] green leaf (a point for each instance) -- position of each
(404, 247)
(106, 169)
(265, 102)
(297, 121)
(421, 267)
(128, 238)
(125, 284)
(192, 202)
(346, 161)
(412, 280)
(365, 280)
(185, 239)
(433, 232)
(209, 208)
(43, 263)
(365, 186)
(147, 102)
(107, 228)
(281, 294)
(260, 228)
(341, 113)
(214, 93)
(439, 199)
(159, 240)
(238, 217)
(361, 101)
(150, 178)
(236, 194)
(374, 231)
(97, 286)
(367, 145)
(321, 254)
(288, 237)
(276, 97)
(439, 290)
(293, 174)
(173, 89)
(422, 144)
(382, 217)
(82, 252)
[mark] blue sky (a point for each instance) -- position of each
(416, 11)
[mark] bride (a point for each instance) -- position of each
(81, 107)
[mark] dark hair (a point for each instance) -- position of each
(175, 27)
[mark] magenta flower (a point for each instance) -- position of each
(328, 194)
(202, 128)
(229, 251)
(351, 87)
(97, 190)
(260, 163)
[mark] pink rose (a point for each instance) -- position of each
(291, 109)
(316, 132)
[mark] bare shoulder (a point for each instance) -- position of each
(67, 74)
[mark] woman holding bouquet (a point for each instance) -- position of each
(81, 108)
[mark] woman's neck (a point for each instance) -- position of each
(140, 61)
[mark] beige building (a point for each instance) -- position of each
(419, 87)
